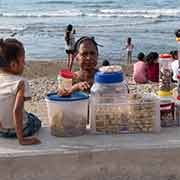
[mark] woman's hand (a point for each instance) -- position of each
(83, 86)
(64, 92)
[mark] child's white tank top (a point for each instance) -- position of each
(8, 88)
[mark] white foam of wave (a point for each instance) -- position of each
(63, 13)
(153, 13)
(11, 27)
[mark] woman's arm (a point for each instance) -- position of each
(18, 111)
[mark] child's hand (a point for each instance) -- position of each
(29, 141)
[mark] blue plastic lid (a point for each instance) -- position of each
(114, 77)
(77, 96)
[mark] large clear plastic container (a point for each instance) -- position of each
(165, 75)
(67, 115)
(108, 90)
(112, 111)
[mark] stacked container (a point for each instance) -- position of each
(165, 75)
(111, 111)
(68, 114)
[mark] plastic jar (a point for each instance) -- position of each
(67, 115)
(108, 90)
(64, 79)
(165, 75)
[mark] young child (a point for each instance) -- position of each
(152, 67)
(140, 69)
(14, 90)
(129, 47)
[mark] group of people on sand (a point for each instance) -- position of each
(14, 89)
(146, 69)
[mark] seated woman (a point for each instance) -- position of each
(140, 69)
(87, 56)
(152, 67)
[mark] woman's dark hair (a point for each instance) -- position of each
(10, 50)
(105, 63)
(177, 33)
(151, 57)
(83, 39)
(174, 54)
(67, 33)
(141, 56)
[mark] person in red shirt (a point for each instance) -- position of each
(139, 69)
(152, 67)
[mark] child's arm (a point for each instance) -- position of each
(18, 117)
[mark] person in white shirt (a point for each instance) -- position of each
(174, 65)
(14, 90)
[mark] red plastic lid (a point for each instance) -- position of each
(178, 76)
(178, 98)
(165, 56)
(66, 73)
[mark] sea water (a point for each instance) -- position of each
(40, 25)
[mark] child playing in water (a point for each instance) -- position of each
(129, 47)
(139, 69)
(152, 67)
(14, 90)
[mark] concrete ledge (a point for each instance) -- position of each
(101, 157)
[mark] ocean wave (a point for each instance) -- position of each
(64, 13)
(154, 14)
(74, 2)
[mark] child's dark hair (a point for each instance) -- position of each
(10, 50)
(105, 63)
(83, 39)
(174, 54)
(67, 33)
(141, 56)
(129, 40)
(151, 57)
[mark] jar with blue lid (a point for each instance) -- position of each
(67, 114)
(108, 97)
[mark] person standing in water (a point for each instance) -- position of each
(69, 45)
(129, 47)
